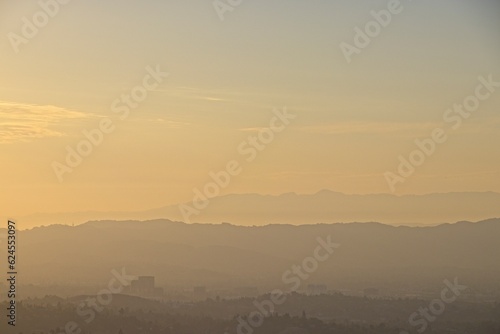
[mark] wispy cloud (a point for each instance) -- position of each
(402, 129)
(26, 122)
(323, 175)
(174, 124)
(196, 94)
(389, 128)
(257, 129)
(246, 98)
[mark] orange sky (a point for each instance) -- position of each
(224, 79)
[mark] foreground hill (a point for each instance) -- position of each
(299, 314)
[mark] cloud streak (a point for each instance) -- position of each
(369, 128)
(21, 122)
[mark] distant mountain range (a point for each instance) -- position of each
(322, 207)
(225, 255)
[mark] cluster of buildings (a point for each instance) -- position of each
(145, 286)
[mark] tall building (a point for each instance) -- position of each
(145, 286)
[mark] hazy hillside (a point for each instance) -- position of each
(323, 207)
(178, 254)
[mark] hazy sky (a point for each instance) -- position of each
(225, 78)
